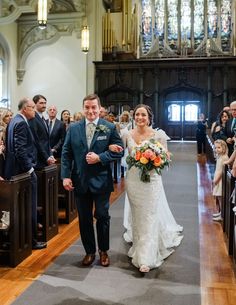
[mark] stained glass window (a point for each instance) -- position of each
(146, 25)
(225, 24)
(172, 23)
(212, 18)
(1, 79)
(185, 25)
(198, 25)
(159, 19)
(185, 19)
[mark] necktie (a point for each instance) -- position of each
(90, 129)
(44, 122)
(50, 126)
(233, 124)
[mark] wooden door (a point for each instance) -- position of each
(180, 119)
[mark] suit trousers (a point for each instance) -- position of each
(85, 203)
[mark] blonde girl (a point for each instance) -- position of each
(221, 150)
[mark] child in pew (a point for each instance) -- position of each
(221, 150)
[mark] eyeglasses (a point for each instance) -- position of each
(32, 107)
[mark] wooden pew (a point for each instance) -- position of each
(16, 240)
(48, 201)
(225, 195)
(227, 210)
(234, 239)
(210, 149)
(66, 202)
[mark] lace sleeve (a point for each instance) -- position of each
(162, 137)
(124, 137)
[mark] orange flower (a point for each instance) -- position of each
(143, 160)
(138, 155)
(157, 161)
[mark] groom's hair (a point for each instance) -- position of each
(149, 111)
(91, 97)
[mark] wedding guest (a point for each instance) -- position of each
(86, 167)
(201, 134)
(103, 112)
(218, 128)
(5, 118)
(78, 116)
(2, 155)
(125, 120)
(65, 118)
(40, 131)
(21, 156)
(222, 158)
(56, 131)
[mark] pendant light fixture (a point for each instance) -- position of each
(42, 13)
(85, 39)
(85, 33)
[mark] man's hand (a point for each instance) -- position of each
(92, 158)
(51, 160)
(115, 148)
(229, 141)
(67, 183)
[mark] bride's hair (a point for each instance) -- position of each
(149, 111)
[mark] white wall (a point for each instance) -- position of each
(58, 72)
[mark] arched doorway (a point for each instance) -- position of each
(181, 110)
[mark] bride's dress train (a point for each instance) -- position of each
(152, 230)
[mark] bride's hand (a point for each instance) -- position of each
(115, 148)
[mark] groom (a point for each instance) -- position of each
(85, 167)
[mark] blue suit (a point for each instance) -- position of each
(21, 156)
(40, 132)
(93, 182)
(57, 137)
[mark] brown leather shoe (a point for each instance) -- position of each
(88, 259)
(104, 259)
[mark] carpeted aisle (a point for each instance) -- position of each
(176, 282)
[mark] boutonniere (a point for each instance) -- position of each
(102, 128)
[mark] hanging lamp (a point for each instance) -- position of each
(42, 13)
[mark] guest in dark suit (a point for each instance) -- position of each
(21, 156)
(85, 166)
(57, 132)
(40, 132)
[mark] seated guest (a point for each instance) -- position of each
(56, 131)
(21, 156)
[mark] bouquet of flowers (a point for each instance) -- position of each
(150, 156)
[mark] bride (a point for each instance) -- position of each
(155, 232)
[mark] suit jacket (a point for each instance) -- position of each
(57, 137)
(21, 153)
(41, 136)
(96, 177)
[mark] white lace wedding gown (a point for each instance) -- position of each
(155, 232)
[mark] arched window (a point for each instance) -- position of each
(4, 96)
(1, 76)
(186, 27)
